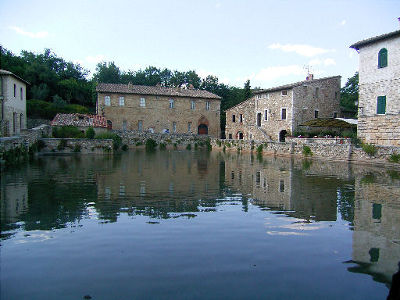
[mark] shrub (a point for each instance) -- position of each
(196, 146)
(77, 148)
(219, 143)
(117, 141)
(307, 151)
(163, 146)
(138, 144)
(369, 149)
(175, 146)
(224, 149)
(188, 147)
(124, 147)
(61, 145)
(395, 158)
(67, 132)
(90, 133)
(151, 145)
(259, 149)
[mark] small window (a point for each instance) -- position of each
(382, 58)
(140, 125)
(381, 105)
(15, 90)
(241, 118)
(192, 105)
(189, 126)
(335, 115)
(171, 103)
(107, 101)
(266, 115)
(230, 136)
(284, 93)
(376, 211)
(21, 93)
(281, 186)
(283, 114)
(142, 102)
(173, 126)
(121, 101)
(233, 118)
(208, 105)
(317, 92)
(316, 114)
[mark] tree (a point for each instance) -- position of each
(107, 73)
(349, 93)
(247, 90)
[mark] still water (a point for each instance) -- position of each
(197, 225)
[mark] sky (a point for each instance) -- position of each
(269, 42)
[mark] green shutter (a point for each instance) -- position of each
(381, 105)
(382, 58)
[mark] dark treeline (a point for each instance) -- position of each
(55, 80)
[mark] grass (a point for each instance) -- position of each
(369, 149)
(307, 151)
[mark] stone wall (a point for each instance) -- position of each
(156, 116)
(95, 146)
(32, 123)
(380, 129)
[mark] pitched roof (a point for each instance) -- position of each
(8, 73)
(292, 85)
(154, 90)
(79, 120)
(375, 39)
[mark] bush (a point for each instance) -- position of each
(124, 147)
(151, 145)
(307, 151)
(395, 158)
(77, 148)
(90, 133)
(189, 147)
(117, 141)
(259, 149)
(369, 149)
(163, 146)
(61, 145)
(219, 143)
(208, 145)
(67, 132)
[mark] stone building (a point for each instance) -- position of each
(159, 109)
(273, 113)
(13, 103)
(379, 84)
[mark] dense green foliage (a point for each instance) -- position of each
(151, 145)
(117, 141)
(90, 133)
(349, 94)
(369, 149)
(47, 110)
(67, 132)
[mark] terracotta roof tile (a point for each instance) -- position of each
(154, 90)
(79, 120)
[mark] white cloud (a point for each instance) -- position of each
(271, 73)
(33, 35)
(95, 59)
(304, 50)
(342, 23)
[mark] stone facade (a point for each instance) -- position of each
(158, 109)
(272, 114)
(13, 104)
(380, 127)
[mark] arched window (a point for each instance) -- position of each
(382, 58)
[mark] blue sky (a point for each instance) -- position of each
(268, 42)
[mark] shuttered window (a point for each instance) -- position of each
(382, 58)
(381, 105)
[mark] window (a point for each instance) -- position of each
(241, 118)
(142, 102)
(335, 115)
(317, 92)
(208, 105)
(382, 58)
(258, 119)
(21, 93)
(140, 125)
(283, 114)
(173, 126)
(189, 126)
(266, 115)
(192, 105)
(121, 101)
(15, 90)
(284, 93)
(316, 114)
(381, 105)
(107, 101)
(171, 103)
(230, 136)
(281, 186)
(233, 119)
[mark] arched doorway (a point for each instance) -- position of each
(203, 129)
(282, 135)
(239, 135)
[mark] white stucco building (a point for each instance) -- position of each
(379, 89)
(13, 103)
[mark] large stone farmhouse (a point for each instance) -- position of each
(379, 86)
(13, 103)
(273, 113)
(159, 109)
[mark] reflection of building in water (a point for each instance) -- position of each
(376, 238)
(160, 183)
(14, 201)
(277, 184)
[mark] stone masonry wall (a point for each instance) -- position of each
(156, 116)
(244, 126)
(85, 146)
(380, 129)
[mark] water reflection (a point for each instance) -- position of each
(57, 192)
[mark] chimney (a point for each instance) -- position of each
(310, 77)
